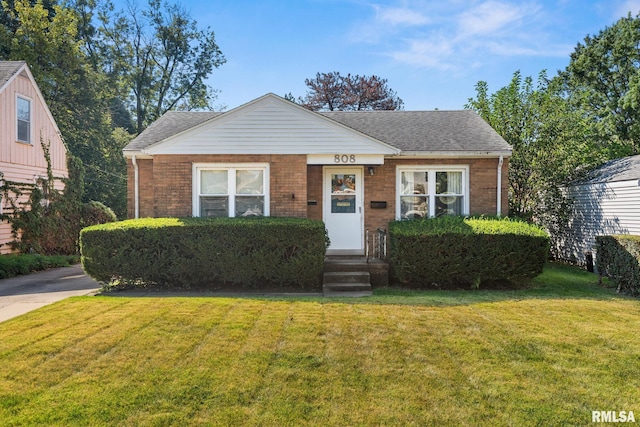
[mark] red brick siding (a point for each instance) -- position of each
(288, 185)
(483, 175)
(315, 178)
(146, 188)
(166, 181)
(380, 187)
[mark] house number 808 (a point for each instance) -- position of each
(345, 158)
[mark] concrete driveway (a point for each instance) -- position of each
(22, 294)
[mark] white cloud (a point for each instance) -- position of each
(386, 22)
(400, 16)
(506, 48)
(453, 34)
(490, 17)
(426, 53)
(627, 6)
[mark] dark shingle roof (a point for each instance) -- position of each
(171, 123)
(410, 131)
(8, 69)
(624, 169)
(462, 130)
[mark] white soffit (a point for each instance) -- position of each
(271, 125)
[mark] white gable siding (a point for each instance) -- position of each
(270, 126)
(602, 209)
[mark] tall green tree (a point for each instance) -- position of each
(47, 38)
(603, 79)
(9, 23)
(157, 58)
(552, 145)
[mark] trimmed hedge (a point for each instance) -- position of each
(618, 257)
(453, 251)
(206, 252)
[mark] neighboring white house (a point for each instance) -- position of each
(607, 202)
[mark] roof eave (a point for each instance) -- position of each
(456, 154)
(138, 154)
(15, 74)
(25, 68)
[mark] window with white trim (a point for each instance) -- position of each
(425, 191)
(23, 113)
(231, 190)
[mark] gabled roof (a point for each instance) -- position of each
(8, 70)
(624, 169)
(170, 124)
(405, 132)
(266, 125)
(425, 131)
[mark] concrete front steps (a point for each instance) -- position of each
(350, 276)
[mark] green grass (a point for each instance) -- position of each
(547, 355)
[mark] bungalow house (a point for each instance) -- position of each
(25, 122)
(606, 202)
(355, 170)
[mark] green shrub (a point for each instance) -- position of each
(206, 252)
(618, 257)
(14, 265)
(50, 222)
(97, 213)
(453, 251)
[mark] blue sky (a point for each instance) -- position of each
(431, 52)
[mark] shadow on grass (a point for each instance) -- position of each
(558, 281)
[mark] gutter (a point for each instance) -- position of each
(499, 195)
(136, 184)
(455, 154)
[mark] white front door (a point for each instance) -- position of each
(343, 194)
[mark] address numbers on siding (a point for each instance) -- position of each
(345, 159)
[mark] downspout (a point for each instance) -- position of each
(136, 194)
(499, 204)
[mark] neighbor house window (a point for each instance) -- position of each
(231, 190)
(425, 191)
(23, 109)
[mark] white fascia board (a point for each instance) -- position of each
(137, 153)
(454, 154)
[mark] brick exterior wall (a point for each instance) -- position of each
(381, 186)
(166, 185)
(288, 185)
(314, 191)
(146, 188)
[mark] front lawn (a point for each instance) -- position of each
(545, 356)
